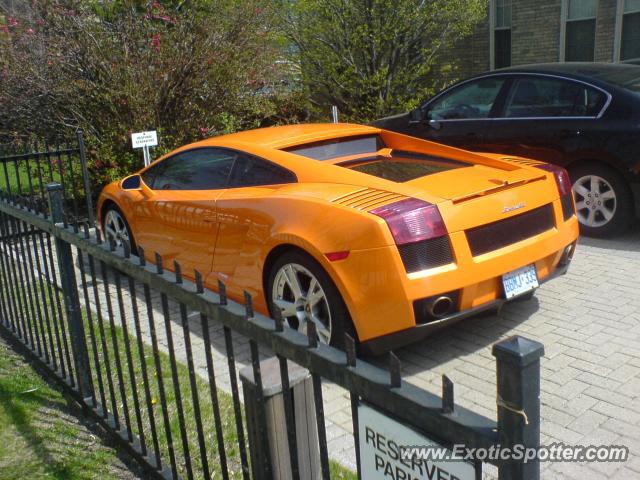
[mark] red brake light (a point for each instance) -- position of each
(561, 175)
(412, 220)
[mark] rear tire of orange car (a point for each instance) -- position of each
(298, 308)
(116, 227)
(600, 191)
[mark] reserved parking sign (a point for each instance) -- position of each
(381, 439)
(144, 139)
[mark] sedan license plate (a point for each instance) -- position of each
(520, 281)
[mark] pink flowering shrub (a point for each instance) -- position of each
(187, 69)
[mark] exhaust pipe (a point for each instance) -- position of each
(440, 306)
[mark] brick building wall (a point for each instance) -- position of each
(536, 27)
(605, 30)
(535, 31)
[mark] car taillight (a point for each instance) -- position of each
(561, 175)
(412, 220)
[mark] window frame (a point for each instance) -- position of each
(493, 28)
(517, 75)
(564, 20)
(617, 42)
(227, 185)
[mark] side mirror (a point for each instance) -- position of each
(134, 182)
(416, 116)
(435, 124)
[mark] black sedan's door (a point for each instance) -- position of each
(545, 118)
(461, 115)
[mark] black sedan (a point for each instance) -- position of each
(584, 117)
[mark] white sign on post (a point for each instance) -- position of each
(380, 439)
(145, 140)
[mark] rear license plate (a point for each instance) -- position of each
(520, 281)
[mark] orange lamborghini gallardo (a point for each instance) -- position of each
(353, 228)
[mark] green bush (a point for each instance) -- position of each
(372, 58)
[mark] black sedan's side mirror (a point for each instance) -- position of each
(134, 182)
(416, 116)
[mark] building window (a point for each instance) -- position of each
(502, 33)
(580, 38)
(630, 44)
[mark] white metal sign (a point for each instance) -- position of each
(380, 439)
(145, 140)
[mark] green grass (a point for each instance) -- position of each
(39, 435)
(22, 179)
(225, 400)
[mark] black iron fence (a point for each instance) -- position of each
(26, 169)
(153, 357)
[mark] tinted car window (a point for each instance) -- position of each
(199, 169)
(251, 171)
(340, 147)
(550, 97)
(402, 166)
(471, 100)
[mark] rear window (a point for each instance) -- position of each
(625, 76)
(339, 147)
(403, 166)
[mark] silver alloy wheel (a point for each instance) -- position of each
(596, 201)
(301, 299)
(116, 229)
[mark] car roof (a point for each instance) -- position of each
(597, 73)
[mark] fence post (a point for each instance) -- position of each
(70, 293)
(518, 380)
(85, 177)
(268, 439)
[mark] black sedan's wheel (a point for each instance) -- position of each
(305, 294)
(604, 202)
(116, 228)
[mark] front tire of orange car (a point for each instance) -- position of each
(116, 229)
(304, 292)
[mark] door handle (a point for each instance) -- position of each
(566, 133)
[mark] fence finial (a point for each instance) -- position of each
(222, 292)
(447, 395)
(277, 317)
(395, 378)
(350, 349)
(248, 305)
(178, 271)
(198, 277)
(312, 334)
(159, 267)
(141, 258)
(127, 249)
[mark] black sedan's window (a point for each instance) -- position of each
(541, 97)
(471, 100)
(198, 169)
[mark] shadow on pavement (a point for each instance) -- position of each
(629, 241)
